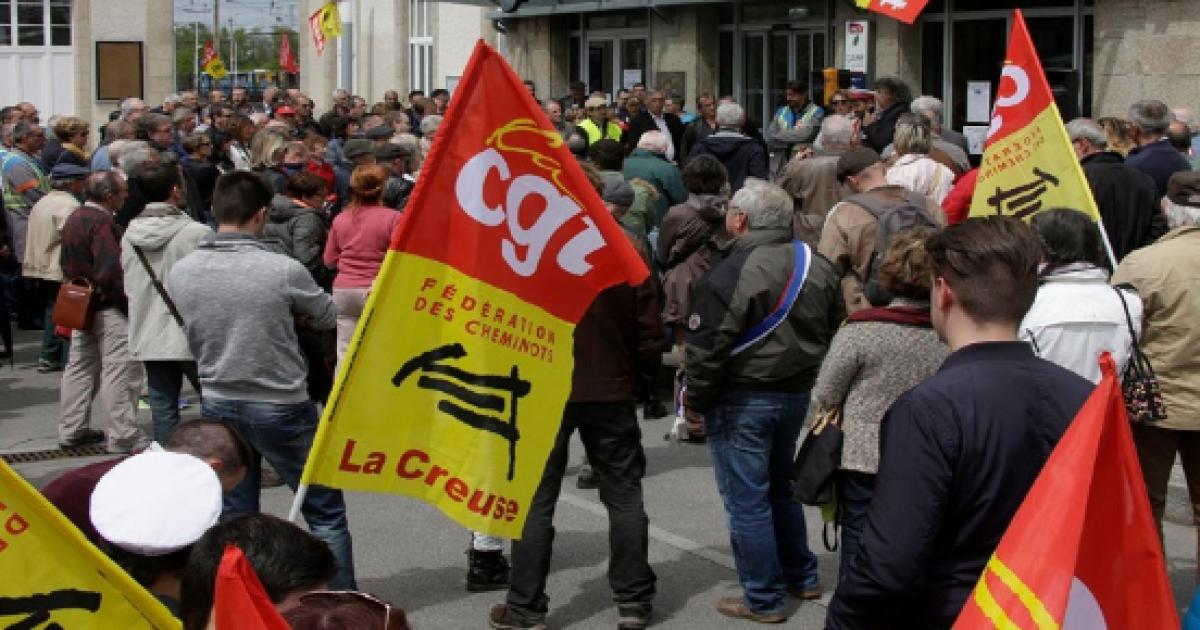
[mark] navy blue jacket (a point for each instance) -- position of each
(1159, 160)
(959, 453)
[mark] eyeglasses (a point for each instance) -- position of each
(839, 101)
(347, 597)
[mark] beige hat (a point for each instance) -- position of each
(156, 502)
(595, 101)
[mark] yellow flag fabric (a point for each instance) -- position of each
(331, 20)
(54, 577)
(212, 63)
(1028, 164)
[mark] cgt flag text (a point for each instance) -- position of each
(1082, 552)
(1028, 164)
(453, 388)
(55, 578)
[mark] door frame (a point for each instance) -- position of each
(617, 37)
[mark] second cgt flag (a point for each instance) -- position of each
(1028, 164)
(454, 387)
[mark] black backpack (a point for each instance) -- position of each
(891, 218)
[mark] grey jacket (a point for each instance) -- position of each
(299, 232)
(239, 304)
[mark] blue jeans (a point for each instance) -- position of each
(283, 433)
(753, 436)
(164, 379)
(855, 490)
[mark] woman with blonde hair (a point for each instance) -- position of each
(878, 355)
(357, 243)
(73, 133)
(267, 149)
(913, 168)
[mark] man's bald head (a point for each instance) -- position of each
(217, 444)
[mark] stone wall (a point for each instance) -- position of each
(1145, 49)
(145, 21)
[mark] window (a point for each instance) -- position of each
(35, 22)
(420, 46)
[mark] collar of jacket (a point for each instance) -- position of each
(1075, 272)
(1154, 145)
(158, 209)
(1103, 157)
(761, 237)
(1187, 230)
(987, 351)
(233, 240)
(646, 153)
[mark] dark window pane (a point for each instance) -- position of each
(1088, 58)
(1052, 37)
(5, 12)
(31, 35)
(575, 69)
(5, 35)
(725, 54)
(60, 36)
(933, 61)
(978, 56)
(30, 13)
(60, 14)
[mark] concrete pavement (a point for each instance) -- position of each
(411, 555)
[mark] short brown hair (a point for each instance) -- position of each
(905, 270)
(366, 184)
(68, 126)
(991, 263)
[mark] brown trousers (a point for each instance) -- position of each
(1156, 449)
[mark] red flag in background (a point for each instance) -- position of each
(287, 60)
(1082, 551)
(239, 599)
(904, 10)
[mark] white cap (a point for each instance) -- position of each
(155, 503)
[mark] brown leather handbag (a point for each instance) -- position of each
(75, 305)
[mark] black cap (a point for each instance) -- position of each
(1183, 189)
(855, 161)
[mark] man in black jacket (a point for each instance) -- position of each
(742, 155)
(654, 119)
(760, 324)
(960, 450)
(891, 100)
(1126, 197)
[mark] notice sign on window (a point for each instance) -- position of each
(979, 101)
(856, 45)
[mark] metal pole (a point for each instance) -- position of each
(216, 23)
(347, 47)
(196, 56)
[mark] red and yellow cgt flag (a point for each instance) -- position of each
(453, 388)
(55, 578)
(211, 62)
(904, 10)
(1028, 164)
(1082, 552)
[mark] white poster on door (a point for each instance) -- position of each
(979, 101)
(856, 45)
(630, 76)
(976, 137)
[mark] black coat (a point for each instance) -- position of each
(959, 452)
(644, 122)
(742, 156)
(879, 133)
(1128, 202)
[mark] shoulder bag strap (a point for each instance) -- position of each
(787, 300)
(162, 292)
(1137, 360)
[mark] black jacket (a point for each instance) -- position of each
(644, 122)
(737, 294)
(958, 454)
(1128, 202)
(1160, 161)
(879, 133)
(742, 156)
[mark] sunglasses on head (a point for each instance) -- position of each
(348, 597)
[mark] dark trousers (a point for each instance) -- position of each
(855, 490)
(54, 348)
(613, 442)
(1156, 449)
(164, 380)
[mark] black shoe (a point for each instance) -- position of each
(83, 438)
(500, 619)
(44, 366)
(653, 409)
(586, 479)
(633, 616)
(487, 571)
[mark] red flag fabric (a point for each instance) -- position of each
(1023, 92)
(239, 599)
(497, 163)
(287, 60)
(904, 10)
(1082, 552)
(314, 28)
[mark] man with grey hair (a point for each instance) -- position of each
(931, 107)
(170, 102)
(24, 184)
(953, 154)
(648, 162)
(760, 324)
(812, 180)
(1187, 116)
(1126, 197)
(132, 108)
(1154, 154)
(1163, 274)
(115, 130)
(742, 155)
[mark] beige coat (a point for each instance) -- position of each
(848, 240)
(1166, 277)
(43, 241)
(813, 183)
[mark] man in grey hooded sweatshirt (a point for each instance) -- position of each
(154, 241)
(240, 303)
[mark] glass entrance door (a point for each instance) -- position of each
(614, 63)
(771, 59)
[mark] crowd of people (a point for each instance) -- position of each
(824, 268)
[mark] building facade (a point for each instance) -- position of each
(1099, 55)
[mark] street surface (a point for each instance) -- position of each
(412, 556)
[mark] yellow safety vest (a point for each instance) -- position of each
(612, 131)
